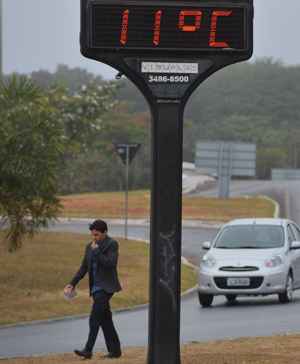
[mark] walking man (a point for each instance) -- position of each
(100, 262)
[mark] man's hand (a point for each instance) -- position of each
(94, 245)
(68, 289)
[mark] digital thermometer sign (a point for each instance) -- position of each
(167, 49)
(160, 27)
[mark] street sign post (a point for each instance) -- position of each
(166, 48)
(127, 152)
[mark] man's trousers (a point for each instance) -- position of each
(101, 316)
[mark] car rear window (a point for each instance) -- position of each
(250, 237)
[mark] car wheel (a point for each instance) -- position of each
(287, 295)
(231, 298)
(205, 299)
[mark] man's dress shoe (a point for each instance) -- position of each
(113, 355)
(84, 354)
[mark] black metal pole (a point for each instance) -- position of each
(165, 247)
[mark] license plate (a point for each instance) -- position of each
(238, 282)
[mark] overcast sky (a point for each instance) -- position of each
(39, 34)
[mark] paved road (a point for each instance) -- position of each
(285, 192)
(192, 238)
(251, 317)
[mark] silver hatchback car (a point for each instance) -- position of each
(251, 257)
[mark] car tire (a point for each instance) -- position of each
(287, 295)
(205, 300)
(231, 298)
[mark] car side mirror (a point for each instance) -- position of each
(295, 245)
(206, 245)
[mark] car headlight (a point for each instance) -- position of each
(208, 261)
(273, 262)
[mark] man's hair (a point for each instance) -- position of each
(99, 225)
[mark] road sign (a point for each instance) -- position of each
(226, 159)
(121, 149)
(166, 48)
(240, 157)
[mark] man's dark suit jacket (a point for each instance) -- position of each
(106, 257)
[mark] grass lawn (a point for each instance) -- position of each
(32, 280)
(111, 205)
(271, 350)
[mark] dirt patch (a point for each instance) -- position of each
(270, 350)
(111, 205)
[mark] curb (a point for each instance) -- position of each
(275, 203)
(137, 308)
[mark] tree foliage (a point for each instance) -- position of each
(55, 140)
(248, 102)
(95, 117)
(59, 138)
(30, 147)
(93, 122)
(70, 78)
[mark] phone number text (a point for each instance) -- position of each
(168, 79)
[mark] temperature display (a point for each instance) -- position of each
(168, 27)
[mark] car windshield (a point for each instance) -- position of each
(250, 237)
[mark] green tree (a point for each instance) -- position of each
(93, 121)
(83, 116)
(71, 78)
(253, 102)
(31, 145)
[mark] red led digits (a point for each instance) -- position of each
(157, 23)
(189, 21)
(190, 28)
(213, 29)
(124, 29)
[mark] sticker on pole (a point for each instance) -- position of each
(170, 67)
(169, 72)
